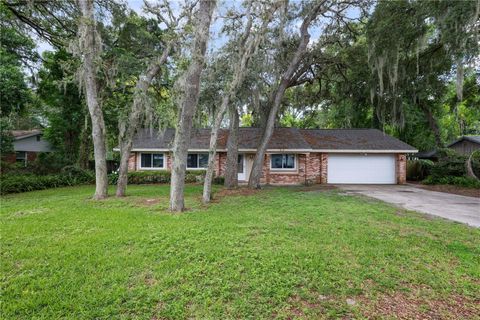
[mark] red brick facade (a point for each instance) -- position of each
(401, 168)
(311, 168)
(12, 157)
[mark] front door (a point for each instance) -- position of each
(241, 168)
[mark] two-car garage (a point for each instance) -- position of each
(361, 168)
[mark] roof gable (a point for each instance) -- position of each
(473, 139)
(22, 134)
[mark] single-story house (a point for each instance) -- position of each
(294, 156)
(27, 144)
(466, 144)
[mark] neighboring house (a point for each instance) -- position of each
(27, 144)
(465, 145)
(294, 156)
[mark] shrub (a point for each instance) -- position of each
(449, 163)
(160, 176)
(78, 174)
(418, 170)
(466, 182)
(15, 183)
(48, 163)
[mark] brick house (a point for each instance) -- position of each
(27, 144)
(294, 156)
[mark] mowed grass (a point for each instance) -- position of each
(278, 253)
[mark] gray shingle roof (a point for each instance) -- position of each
(353, 139)
(282, 139)
(21, 134)
(474, 139)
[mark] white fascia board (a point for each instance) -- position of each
(363, 151)
(167, 150)
(278, 150)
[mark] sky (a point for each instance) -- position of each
(217, 39)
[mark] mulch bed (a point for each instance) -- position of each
(469, 192)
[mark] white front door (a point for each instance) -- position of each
(361, 168)
(242, 176)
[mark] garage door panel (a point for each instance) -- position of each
(361, 169)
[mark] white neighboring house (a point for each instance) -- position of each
(27, 144)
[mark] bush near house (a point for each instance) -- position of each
(69, 176)
(450, 169)
(418, 170)
(466, 182)
(162, 176)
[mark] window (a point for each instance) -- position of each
(38, 138)
(151, 160)
(197, 160)
(21, 157)
(282, 161)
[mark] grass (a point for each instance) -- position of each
(278, 253)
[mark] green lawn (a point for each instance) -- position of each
(279, 253)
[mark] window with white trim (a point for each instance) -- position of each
(152, 160)
(21, 157)
(197, 160)
(284, 161)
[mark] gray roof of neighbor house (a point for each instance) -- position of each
(22, 134)
(474, 139)
(282, 139)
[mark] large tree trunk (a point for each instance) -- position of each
(90, 48)
(277, 96)
(84, 149)
(128, 128)
(191, 86)
(231, 172)
(249, 45)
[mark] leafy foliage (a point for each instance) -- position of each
(15, 183)
(466, 182)
(418, 170)
(62, 104)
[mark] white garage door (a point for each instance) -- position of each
(361, 168)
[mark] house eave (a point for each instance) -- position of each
(28, 136)
(280, 150)
(362, 151)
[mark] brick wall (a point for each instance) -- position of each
(132, 162)
(313, 171)
(31, 156)
(12, 157)
(312, 168)
(323, 168)
(9, 157)
(169, 159)
(221, 163)
(401, 168)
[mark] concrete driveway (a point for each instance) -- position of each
(449, 206)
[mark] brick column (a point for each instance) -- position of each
(324, 168)
(168, 155)
(266, 168)
(307, 169)
(132, 162)
(401, 168)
